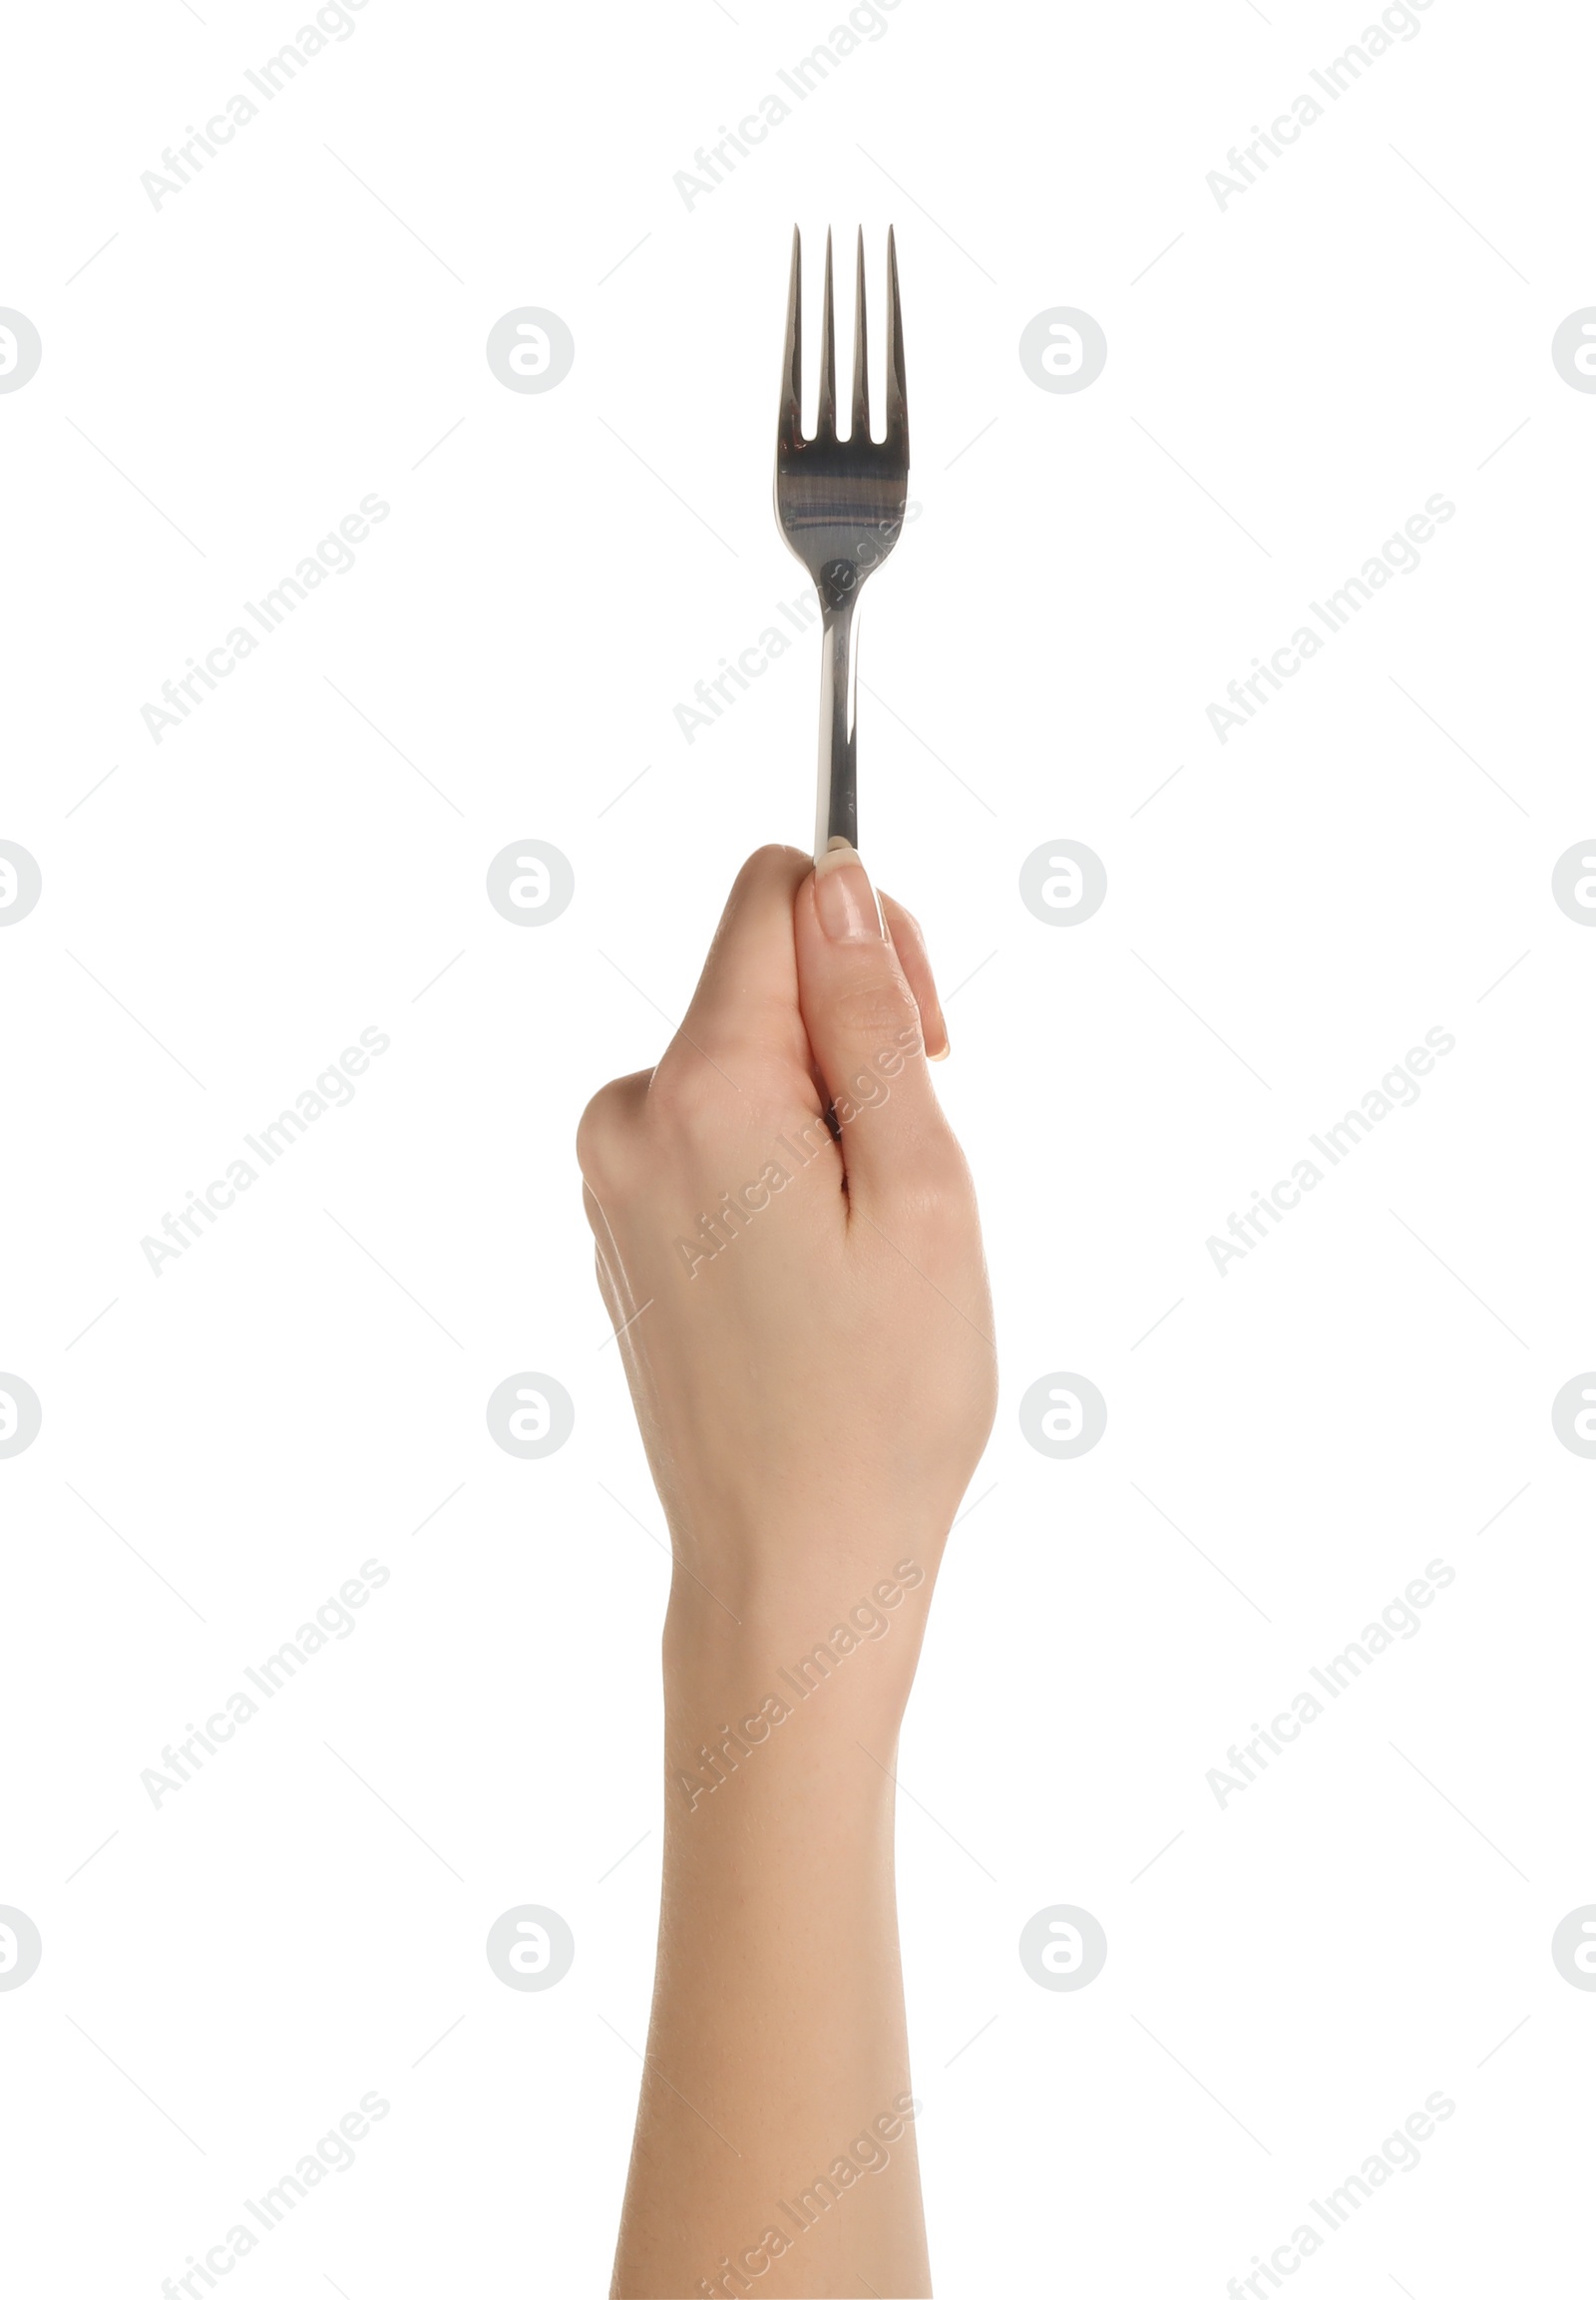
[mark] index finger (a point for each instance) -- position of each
(744, 1015)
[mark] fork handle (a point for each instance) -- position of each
(837, 810)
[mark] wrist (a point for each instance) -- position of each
(748, 1626)
(789, 1674)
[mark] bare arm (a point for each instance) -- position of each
(805, 1319)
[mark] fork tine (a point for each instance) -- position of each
(897, 397)
(860, 428)
(826, 415)
(789, 431)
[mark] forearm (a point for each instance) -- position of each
(776, 2088)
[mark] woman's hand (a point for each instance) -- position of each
(803, 1312)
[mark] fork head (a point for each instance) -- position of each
(840, 502)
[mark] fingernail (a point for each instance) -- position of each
(846, 900)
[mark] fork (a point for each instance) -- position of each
(840, 504)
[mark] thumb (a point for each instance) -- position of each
(864, 1031)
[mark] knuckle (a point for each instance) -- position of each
(687, 1107)
(922, 1203)
(775, 857)
(877, 1017)
(603, 1131)
(774, 861)
(769, 866)
(931, 1193)
(674, 1099)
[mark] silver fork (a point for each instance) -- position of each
(840, 504)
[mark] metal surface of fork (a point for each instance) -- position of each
(840, 504)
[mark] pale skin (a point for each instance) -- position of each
(812, 1367)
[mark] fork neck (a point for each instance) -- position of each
(837, 813)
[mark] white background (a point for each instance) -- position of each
(1367, 860)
